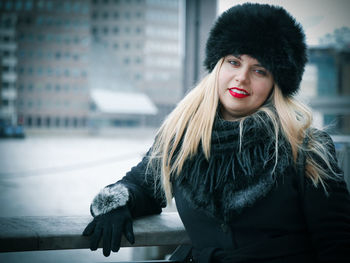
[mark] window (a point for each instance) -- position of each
(105, 30)
(126, 61)
(29, 121)
(66, 122)
(28, 5)
(19, 5)
(57, 122)
(8, 5)
(47, 122)
(38, 121)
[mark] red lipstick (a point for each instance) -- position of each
(238, 93)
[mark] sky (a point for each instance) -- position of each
(318, 17)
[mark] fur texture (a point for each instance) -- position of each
(268, 34)
(109, 198)
(233, 179)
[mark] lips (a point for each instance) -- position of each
(238, 93)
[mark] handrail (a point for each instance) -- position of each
(31, 233)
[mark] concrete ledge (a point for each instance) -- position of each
(64, 232)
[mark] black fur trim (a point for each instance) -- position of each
(233, 179)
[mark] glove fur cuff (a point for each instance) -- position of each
(109, 198)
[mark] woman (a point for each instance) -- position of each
(252, 180)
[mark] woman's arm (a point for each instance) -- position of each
(139, 189)
(327, 214)
(115, 206)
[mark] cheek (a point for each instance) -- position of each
(264, 90)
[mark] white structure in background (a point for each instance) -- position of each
(116, 108)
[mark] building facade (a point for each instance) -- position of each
(58, 51)
(136, 46)
(8, 64)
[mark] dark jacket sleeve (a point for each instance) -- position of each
(145, 193)
(327, 214)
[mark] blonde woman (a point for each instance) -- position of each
(252, 180)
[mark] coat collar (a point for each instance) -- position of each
(238, 172)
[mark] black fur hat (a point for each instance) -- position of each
(265, 32)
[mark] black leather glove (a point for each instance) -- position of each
(110, 226)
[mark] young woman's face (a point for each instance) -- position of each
(244, 86)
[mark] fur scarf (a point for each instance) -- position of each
(238, 173)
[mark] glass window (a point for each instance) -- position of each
(40, 4)
(28, 5)
(8, 5)
(49, 5)
(30, 70)
(67, 6)
(38, 121)
(29, 121)
(57, 122)
(58, 55)
(47, 122)
(66, 73)
(19, 5)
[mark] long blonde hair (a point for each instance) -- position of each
(193, 118)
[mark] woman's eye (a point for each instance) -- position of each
(234, 62)
(261, 72)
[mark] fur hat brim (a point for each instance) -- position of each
(268, 34)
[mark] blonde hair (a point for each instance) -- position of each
(192, 122)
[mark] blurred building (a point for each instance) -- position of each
(53, 38)
(326, 86)
(136, 47)
(8, 63)
(53, 53)
(333, 87)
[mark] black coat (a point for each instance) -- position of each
(294, 221)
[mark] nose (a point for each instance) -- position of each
(242, 75)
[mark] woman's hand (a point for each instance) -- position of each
(110, 226)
